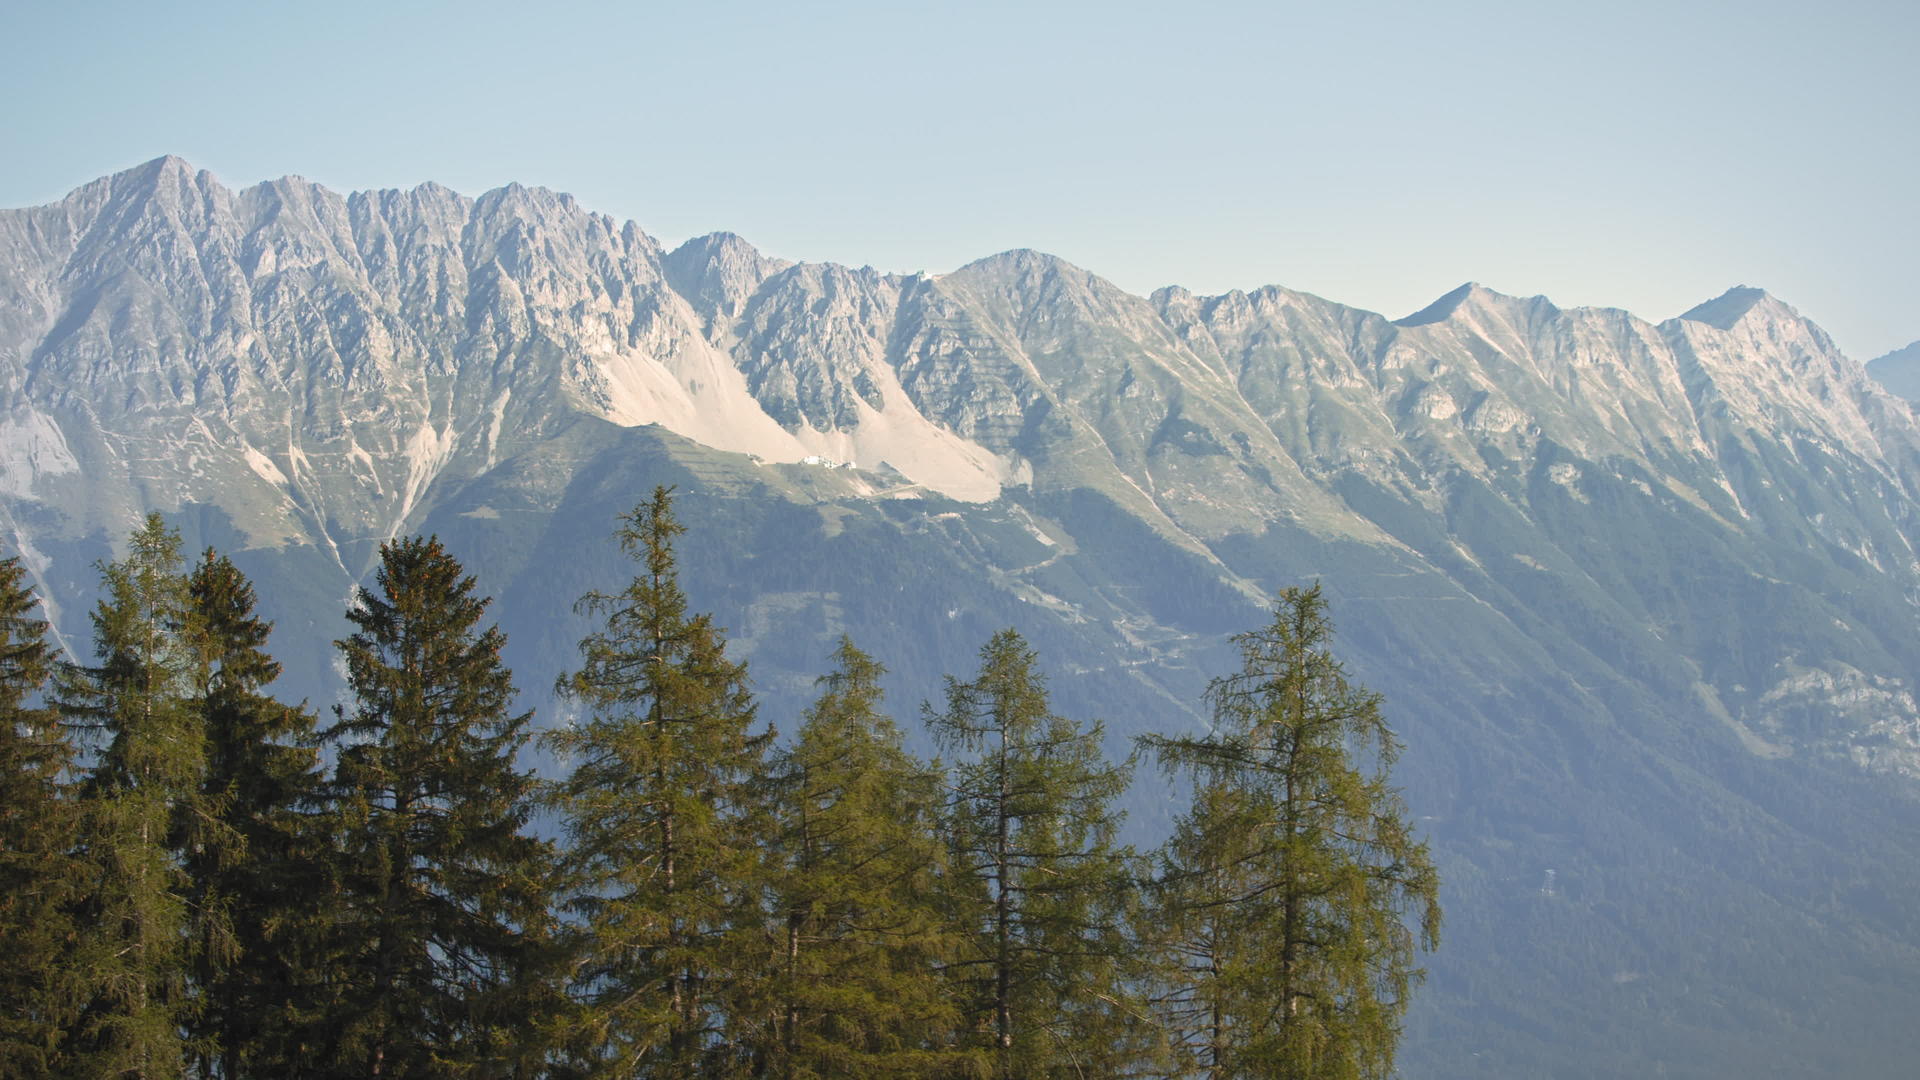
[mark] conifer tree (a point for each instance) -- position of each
(664, 813)
(1046, 971)
(143, 788)
(39, 877)
(857, 897)
(443, 944)
(257, 863)
(1287, 889)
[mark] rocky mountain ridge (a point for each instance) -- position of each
(351, 359)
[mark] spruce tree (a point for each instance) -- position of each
(1043, 884)
(39, 877)
(139, 797)
(664, 814)
(442, 945)
(257, 862)
(1287, 889)
(857, 896)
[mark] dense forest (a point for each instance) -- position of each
(197, 879)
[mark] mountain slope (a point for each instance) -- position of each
(1641, 596)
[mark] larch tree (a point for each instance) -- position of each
(257, 864)
(1042, 884)
(664, 812)
(857, 896)
(1293, 895)
(40, 880)
(139, 800)
(442, 947)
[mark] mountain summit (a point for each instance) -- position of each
(1730, 307)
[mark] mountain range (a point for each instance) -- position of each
(1641, 596)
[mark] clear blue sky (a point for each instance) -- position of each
(1641, 155)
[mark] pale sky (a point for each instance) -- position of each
(1638, 155)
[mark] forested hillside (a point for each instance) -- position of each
(204, 880)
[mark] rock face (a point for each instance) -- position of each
(1642, 596)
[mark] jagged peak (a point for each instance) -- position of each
(720, 245)
(291, 188)
(819, 274)
(164, 166)
(434, 189)
(1723, 312)
(518, 196)
(1746, 307)
(1265, 298)
(148, 173)
(1281, 294)
(425, 193)
(1007, 268)
(1476, 296)
(1019, 259)
(1442, 309)
(167, 170)
(161, 188)
(718, 271)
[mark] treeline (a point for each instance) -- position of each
(198, 879)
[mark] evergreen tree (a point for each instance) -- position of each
(857, 895)
(664, 811)
(143, 789)
(1044, 886)
(442, 942)
(39, 877)
(1287, 888)
(1208, 927)
(257, 863)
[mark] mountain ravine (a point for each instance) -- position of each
(1641, 596)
